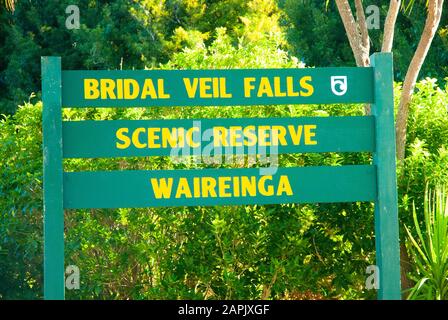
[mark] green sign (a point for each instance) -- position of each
(120, 138)
(217, 138)
(139, 189)
(145, 88)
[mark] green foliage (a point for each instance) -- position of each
(426, 154)
(116, 34)
(20, 204)
(133, 34)
(430, 248)
(313, 29)
(427, 146)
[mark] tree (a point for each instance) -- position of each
(357, 32)
(358, 36)
(429, 31)
(315, 35)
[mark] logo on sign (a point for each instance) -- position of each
(339, 85)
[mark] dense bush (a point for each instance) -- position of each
(427, 142)
(21, 204)
(114, 34)
(117, 34)
(430, 247)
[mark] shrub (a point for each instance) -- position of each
(430, 248)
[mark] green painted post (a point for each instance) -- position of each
(54, 283)
(386, 209)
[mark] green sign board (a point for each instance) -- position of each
(139, 189)
(121, 138)
(146, 88)
(213, 138)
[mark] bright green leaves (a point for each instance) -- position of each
(430, 247)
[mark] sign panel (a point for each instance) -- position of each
(203, 137)
(208, 137)
(145, 88)
(209, 187)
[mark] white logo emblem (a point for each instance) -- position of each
(339, 85)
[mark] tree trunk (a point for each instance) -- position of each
(353, 31)
(357, 34)
(405, 268)
(429, 31)
(364, 33)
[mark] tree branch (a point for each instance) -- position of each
(351, 29)
(364, 32)
(429, 31)
(389, 25)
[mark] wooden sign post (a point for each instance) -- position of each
(164, 88)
